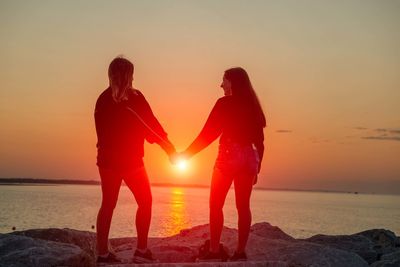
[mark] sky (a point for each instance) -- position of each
(326, 73)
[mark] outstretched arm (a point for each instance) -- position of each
(154, 131)
(211, 130)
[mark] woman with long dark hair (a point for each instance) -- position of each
(238, 119)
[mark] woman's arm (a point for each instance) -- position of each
(212, 130)
(154, 131)
(259, 143)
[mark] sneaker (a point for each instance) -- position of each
(205, 248)
(238, 256)
(146, 257)
(210, 257)
(205, 255)
(110, 258)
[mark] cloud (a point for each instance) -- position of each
(392, 131)
(390, 138)
(385, 134)
(284, 131)
(317, 140)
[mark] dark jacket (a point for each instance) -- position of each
(234, 122)
(121, 134)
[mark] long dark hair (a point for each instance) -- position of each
(243, 90)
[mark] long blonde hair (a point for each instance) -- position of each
(120, 74)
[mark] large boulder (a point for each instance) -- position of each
(386, 263)
(384, 241)
(17, 250)
(267, 230)
(389, 260)
(83, 239)
(358, 244)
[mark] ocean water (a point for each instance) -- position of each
(300, 214)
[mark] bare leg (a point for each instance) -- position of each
(243, 188)
(110, 184)
(138, 183)
(219, 188)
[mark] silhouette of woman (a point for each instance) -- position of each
(124, 120)
(239, 119)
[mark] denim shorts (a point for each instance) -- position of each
(236, 158)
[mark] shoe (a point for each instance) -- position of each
(204, 249)
(210, 257)
(205, 255)
(146, 257)
(238, 256)
(110, 258)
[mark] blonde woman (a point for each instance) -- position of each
(124, 120)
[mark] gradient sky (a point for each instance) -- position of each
(326, 72)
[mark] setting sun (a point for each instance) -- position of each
(182, 165)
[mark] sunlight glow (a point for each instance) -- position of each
(182, 165)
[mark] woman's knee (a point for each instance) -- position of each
(216, 202)
(216, 206)
(243, 207)
(145, 201)
(107, 207)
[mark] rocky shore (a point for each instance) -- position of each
(268, 246)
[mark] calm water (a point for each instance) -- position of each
(300, 214)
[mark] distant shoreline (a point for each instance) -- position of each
(38, 181)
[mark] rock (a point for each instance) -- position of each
(385, 241)
(267, 246)
(209, 264)
(392, 256)
(389, 260)
(358, 244)
(300, 253)
(386, 263)
(16, 250)
(267, 230)
(277, 249)
(84, 240)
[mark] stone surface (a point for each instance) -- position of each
(18, 251)
(82, 239)
(267, 246)
(385, 241)
(276, 248)
(269, 231)
(212, 264)
(386, 263)
(358, 244)
(392, 256)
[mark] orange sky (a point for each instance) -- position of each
(325, 72)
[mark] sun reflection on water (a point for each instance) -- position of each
(177, 216)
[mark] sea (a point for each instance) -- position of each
(300, 214)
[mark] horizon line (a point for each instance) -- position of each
(16, 181)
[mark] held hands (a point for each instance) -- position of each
(179, 159)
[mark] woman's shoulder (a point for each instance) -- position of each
(106, 94)
(224, 99)
(135, 93)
